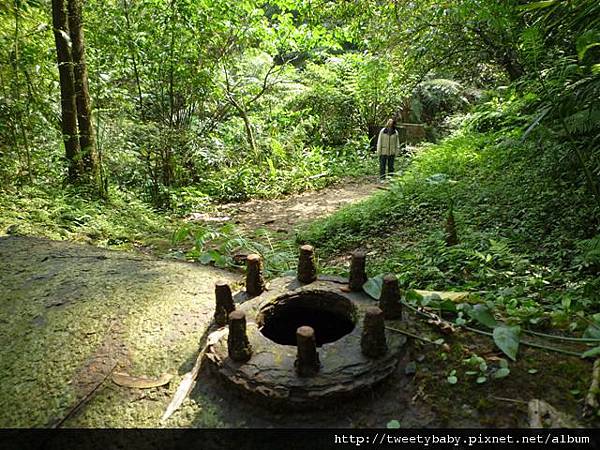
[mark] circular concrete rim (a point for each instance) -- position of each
(269, 376)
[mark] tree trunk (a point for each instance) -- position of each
(67, 90)
(249, 132)
(87, 135)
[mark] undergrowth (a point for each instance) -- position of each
(123, 220)
(526, 222)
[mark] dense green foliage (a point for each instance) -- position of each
(527, 227)
(199, 101)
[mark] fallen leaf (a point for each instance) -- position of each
(126, 380)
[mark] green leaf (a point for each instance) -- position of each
(180, 234)
(481, 380)
(591, 352)
(373, 286)
(452, 379)
(501, 372)
(413, 296)
(503, 363)
(532, 371)
(587, 41)
(393, 424)
(537, 5)
(205, 258)
(507, 340)
(448, 305)
(593, 331)
(483, 315)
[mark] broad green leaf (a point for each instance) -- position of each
(393, 424)
(481, 380)
(448, 305)
(483, 315)
(205, 258)
(501, 372)
(373, 286)
(507, 340)
(593, 331)
(452, 379)
(413, 296)
(591, 352)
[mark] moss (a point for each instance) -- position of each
(71, 307)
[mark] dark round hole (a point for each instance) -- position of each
(330, 315)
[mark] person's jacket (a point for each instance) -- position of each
(388, 142)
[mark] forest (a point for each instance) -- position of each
(155, 154)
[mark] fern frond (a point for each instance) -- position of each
(583, 122)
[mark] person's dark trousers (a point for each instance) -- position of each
(386, 160)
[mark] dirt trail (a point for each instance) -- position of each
(283, 215)
(72, 314)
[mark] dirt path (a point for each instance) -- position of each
(283, 215)
(71, 315)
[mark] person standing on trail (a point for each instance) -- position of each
(388, 146)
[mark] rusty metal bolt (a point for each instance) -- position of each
(238, 346)
(307, 268)
(389, 302)
(307, 361)
(373, 343)
(223, 302)
(255, 283)
(358, 275)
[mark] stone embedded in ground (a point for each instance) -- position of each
(389, 302)
(238, 346)
(307, 268)
(255, 283)
(307, 361)
(358, 274)
(224, 302)
(373, 342)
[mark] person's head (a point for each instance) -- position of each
(391, 123)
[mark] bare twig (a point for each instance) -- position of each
(561, 338)
(185, 387)
(437, 318)
(85, 399)
(414, 336)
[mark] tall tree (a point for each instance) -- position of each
(87, 136)
(67, 90)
